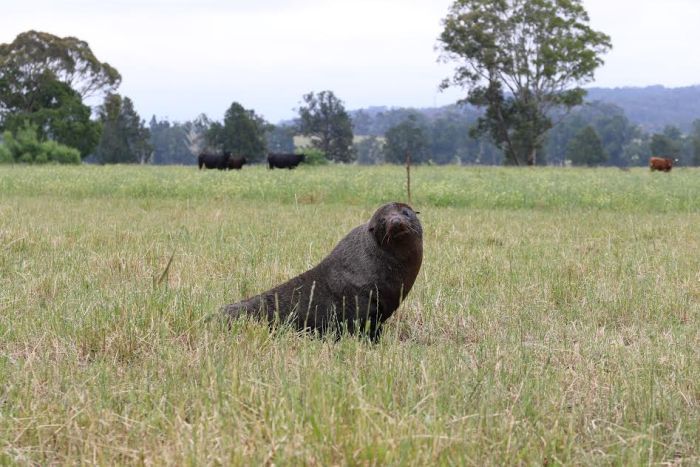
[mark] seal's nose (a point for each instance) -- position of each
(395, 225)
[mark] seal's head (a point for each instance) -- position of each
(394, 224)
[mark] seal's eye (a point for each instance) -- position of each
(406, 212)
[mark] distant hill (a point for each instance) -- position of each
(654, 107)
(651, 107)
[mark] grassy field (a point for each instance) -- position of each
(556, 319)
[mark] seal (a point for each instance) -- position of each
(354, 289)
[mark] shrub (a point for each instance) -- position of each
(25, 147)
(314, 156)
(62, 154)
(5, 154)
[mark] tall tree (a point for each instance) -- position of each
(280, 138)
(169, 142)
(32, 54)
(407, 138)
(369, 150)
(615, 131)
(196, 134)
(449, 142)
(608, 120)
(695, 138)
(586, 148)
(325, 120)
(242, 133)
(668, 143)
(637, 152)
(58, 114)
(44, 80)
(362, 123)
(520, 59)
(125, 138)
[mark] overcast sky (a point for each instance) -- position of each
(181, 58)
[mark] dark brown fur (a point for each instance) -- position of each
(356, 287)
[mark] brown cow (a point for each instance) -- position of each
(663, 164)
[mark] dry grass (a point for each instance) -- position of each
(533, 335)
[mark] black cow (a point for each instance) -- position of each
(213, 161)
(236, 163)
(284, 161)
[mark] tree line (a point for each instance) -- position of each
(45, 79)
(594, 133)
(521, 64)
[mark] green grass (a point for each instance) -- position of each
(637, 190)
(555, 319)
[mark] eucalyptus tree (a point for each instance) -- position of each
(125, 138)
(242, 132)
(326, 121)
(44, 81)
(520, 59)
(70, 60)
(408, 139)
(668, 143)
(586, 148)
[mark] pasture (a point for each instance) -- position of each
(556, 318)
